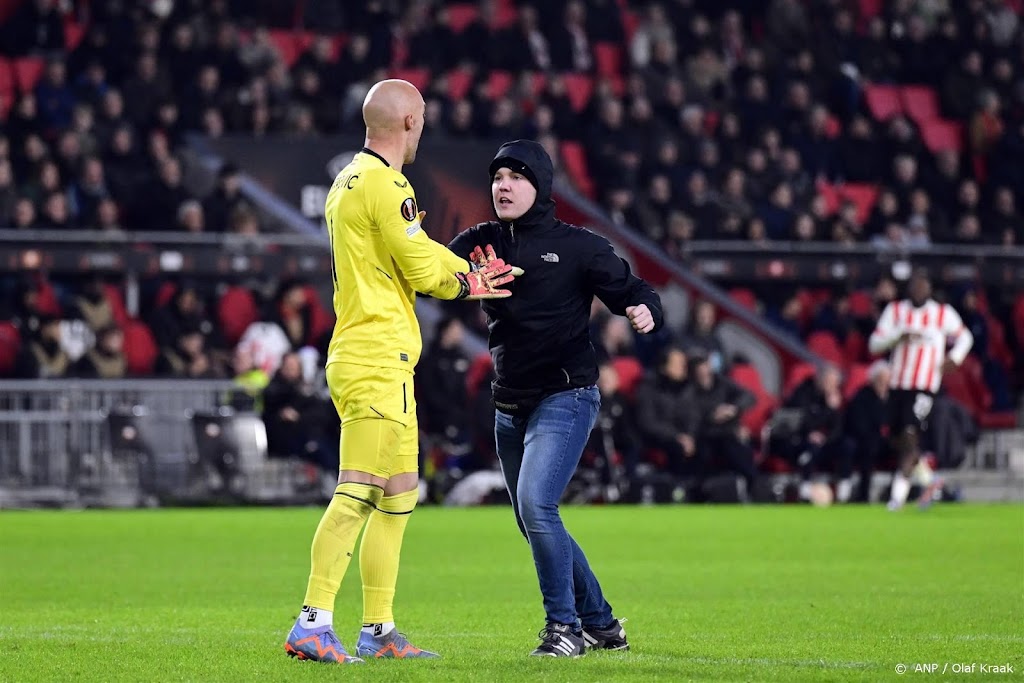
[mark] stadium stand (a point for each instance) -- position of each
(851, 123)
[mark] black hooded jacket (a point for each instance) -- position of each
(539, 337)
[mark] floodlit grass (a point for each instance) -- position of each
(711, 593)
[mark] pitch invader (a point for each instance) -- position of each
(915, 332)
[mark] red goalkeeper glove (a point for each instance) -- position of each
(488, 274)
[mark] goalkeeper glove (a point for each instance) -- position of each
(489, 272)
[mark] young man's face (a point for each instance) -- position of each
(512, 194)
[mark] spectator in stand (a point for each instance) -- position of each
(106, 359)
(817, 444)
(445, 405)
(719, 403)
(614, 441)
(250, 381)
(293, 313)
(190, 217)
(666, 419)
(188, 357)
(41, 355)
(185, 311)
(297, 419)
(91, 305)
(225, 198)
(864, 423)
(701, 337)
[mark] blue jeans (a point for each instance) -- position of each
(539, 455)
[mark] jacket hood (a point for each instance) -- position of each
(529, 158)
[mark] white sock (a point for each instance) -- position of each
(844, 489)
(804, 492)
(900, 489)
(923, 474)
(314, 617)
(379, 630)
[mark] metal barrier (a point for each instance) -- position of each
(53, 433)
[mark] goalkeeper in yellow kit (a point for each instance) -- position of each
(380, 258)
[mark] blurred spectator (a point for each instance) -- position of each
(106, 359)
(41, 355)
(700, 337)
(816, 444)
(864, 421)
(187, 357)
(91, 305)
(666, 418)
(250, 380)
(297, 419)
(190, 217)
(719, 403)
(35, 27)
(185, 311)
(615, 440)
(445, 406)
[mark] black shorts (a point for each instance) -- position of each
(909, 409)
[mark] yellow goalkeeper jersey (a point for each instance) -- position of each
(380, 258)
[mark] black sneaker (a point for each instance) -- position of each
(611, 638)
(558, 640)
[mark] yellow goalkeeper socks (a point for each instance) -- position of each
(335, 538)
(379, 554)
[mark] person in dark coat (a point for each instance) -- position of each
(864, 424)
(719, 403)
(665, 419)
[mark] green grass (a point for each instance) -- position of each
(711, 593)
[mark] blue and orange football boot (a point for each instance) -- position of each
(391, 645)
(317, 644)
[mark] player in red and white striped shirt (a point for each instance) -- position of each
(916, 332)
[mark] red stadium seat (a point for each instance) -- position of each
(630, 373)
(856, 377)
(478, 370)
(287, 46)
(578, 87)
(745, 298)
(28, 71)
(630, 22)
(120, 311)
(10, 345)
(861, 304)
(140, 349)
(855, 347)
(459, 83)
(506, 15)
(941, 135)
(748, 377)
(869, 9)
(165, 294)
(831, 195)
(575, 160)
(460, 16)
(920, 103)
(883, 101)
(321, 320)
(236, 310)
(757, 415)
(73, 34)
(499, 83)
(796, 376)
(8, 84)
(863, 195)
(48, 303)
(418, 77)
(608, 57)
(824, 345)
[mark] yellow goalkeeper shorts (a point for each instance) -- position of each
(379, 432)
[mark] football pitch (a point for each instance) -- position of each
(710, 593)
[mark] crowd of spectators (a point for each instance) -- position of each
(694, 119)
(698, 119)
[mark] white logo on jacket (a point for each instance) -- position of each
(549, 257)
